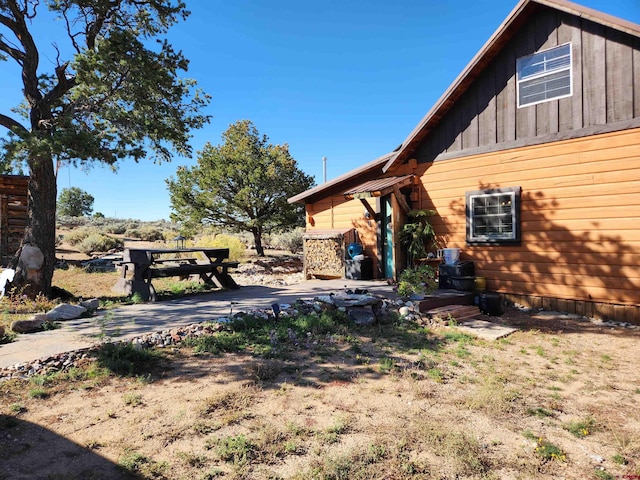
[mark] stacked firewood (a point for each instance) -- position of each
(324, 258)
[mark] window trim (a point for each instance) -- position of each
(542, 75)
(514, 238)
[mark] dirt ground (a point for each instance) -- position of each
(557, 399)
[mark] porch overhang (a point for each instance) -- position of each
(379, 188)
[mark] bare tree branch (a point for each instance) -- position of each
(11, 124)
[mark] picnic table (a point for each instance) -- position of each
(140, 266)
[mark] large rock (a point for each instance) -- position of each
(92, 304)
(31, 257)
(66, 311)
(28, 326)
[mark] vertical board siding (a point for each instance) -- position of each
(605, 88)
(619, 80)
(546, 36)
(594, 78)
(570, 114)
(580, 217)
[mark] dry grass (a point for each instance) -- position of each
(544, 403)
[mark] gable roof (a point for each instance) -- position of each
(505, 32)
(368, 169)
(487, 53)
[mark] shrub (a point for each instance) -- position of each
(235, 246)
(291, 240)
(77, 236)
(115, 228)
(97, 242)
(147, 233)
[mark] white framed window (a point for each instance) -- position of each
(544, 76)
(493, 216)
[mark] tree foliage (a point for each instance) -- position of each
(242, 185)
(75, 202)
(113, 91)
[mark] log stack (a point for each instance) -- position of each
(325, 253)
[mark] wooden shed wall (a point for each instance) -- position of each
(580, 216)
(13, 214)
(606, 90)
(338, 213)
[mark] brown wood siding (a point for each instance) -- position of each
(580, 216)
(337, 213)
(605, 82)
(13, 214)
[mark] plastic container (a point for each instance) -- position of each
(466, 284)
(451, 255)
(490, 304)
(354, 249)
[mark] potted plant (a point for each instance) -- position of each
(415, 236)
(416, 282)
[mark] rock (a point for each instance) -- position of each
(31, 257)
(1, 331)
(66, 311)
(404, 311)
(92, 304)
(361, 315)
(28, 326)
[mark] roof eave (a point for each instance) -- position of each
(479, 61)
(317, 190)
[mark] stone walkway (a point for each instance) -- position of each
(134, 320)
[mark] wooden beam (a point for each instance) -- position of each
(374, 215)
(401, 200)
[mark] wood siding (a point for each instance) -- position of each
(580, 217)
(13, 214)
(337, 213)
(605, 80)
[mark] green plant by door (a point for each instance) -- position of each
(418, 234)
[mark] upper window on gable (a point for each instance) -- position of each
(544, 75)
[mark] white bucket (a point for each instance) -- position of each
(451, 255)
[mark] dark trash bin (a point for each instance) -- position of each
(490, 304)
(359, 269)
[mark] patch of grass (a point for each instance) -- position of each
(39, 393)
(549, 451)
(493, 395)
(139, 464)
(387, 365)
(193, 459)
(221, 342)
(17, 408)
(619, 459)
(604, 475)
(132, 399)
(237, 449)
(125, 359)
(539, 412)
(580, 428)
(230, 406)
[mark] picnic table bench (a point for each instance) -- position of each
(143, 265)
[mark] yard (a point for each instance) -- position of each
(317, 397)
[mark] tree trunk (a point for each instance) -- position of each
(257, 238)
(35, 277)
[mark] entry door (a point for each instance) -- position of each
(387, 237)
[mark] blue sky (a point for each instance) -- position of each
(345, 79)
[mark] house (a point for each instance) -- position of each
(531, 159)
(13, 214)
